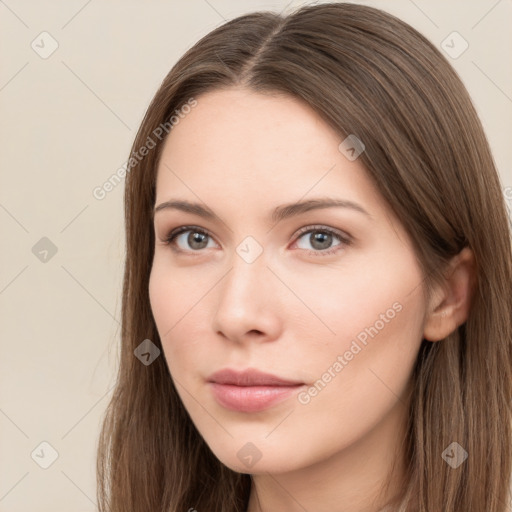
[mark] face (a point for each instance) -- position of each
(328, 297)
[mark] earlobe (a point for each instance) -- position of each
(451, 301)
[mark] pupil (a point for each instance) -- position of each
(319, 238)
(196, 238)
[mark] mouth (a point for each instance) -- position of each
(250, 390)
(251, 398)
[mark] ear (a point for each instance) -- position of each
(451, 300)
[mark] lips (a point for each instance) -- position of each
(250, 390)
(250, 377)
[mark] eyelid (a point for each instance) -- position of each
(343, 235)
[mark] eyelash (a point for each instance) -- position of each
(344, 239)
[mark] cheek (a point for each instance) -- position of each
(365, 368)
(161, 298)
(355, 384)
(172, 295)
(364, 300)
(176, 303)
(167, 306)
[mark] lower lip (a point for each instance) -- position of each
(251, 398)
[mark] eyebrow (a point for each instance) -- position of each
(278, 214)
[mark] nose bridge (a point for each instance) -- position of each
(248, 272)
(243, 300)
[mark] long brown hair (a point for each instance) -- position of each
(365, 73)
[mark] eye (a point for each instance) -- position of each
(321, 238)
(196, 240)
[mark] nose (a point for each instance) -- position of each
(247, 303)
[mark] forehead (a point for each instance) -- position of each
(237, 124)
(250, 149)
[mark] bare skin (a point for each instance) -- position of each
(295, 309)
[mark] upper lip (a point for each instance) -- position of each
(249, 377)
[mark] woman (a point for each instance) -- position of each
(317, 306)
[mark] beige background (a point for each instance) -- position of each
(67, 123)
